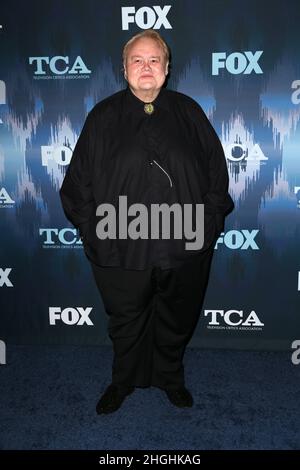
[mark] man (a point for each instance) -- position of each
(153, 147)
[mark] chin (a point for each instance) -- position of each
(147, 86)
(144, 82)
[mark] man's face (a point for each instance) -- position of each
(145, 65)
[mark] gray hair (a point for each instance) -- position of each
(148, 33)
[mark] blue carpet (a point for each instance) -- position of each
(243, 400)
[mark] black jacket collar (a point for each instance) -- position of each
(133, 103)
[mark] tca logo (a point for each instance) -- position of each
(238, 152)
(5, 197)
(238, 239)
(232, 318)
(60, 154)
(146, 17)
(65, 236)
(58, 65)
(71, 316)
(236, 63)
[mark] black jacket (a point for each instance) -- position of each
(173, 155)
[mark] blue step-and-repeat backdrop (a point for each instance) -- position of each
(240, 62)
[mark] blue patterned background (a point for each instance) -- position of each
(42, 115)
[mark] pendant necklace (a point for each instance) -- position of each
(148, 108)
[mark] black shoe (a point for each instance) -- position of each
(180, 397)
(112, 398)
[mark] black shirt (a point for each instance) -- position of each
(170, 156)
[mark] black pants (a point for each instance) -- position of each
(152, 316)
